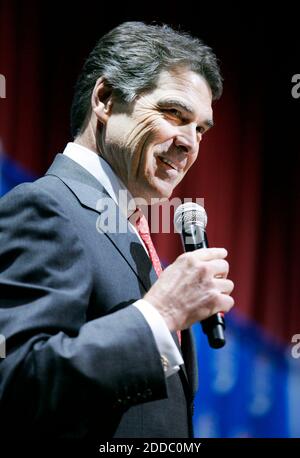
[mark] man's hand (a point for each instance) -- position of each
(193, 288)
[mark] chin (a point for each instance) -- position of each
(162, 193)
(157, 189)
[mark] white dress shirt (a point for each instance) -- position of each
(101, 170)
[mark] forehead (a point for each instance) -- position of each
(184, 85)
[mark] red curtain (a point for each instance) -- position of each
(247, 169)
(20, 111)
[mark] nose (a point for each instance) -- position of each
(188, 138)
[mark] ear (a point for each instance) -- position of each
(102, 100)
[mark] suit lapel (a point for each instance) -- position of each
(92, 195)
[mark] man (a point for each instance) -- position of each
(91, 331)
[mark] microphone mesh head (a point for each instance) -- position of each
(188, 214)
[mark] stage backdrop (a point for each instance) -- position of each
(247, 172)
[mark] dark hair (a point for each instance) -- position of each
(130, 58)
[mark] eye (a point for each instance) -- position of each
(172, 112)
(200, 129)
(175, 112)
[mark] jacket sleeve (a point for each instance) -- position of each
(60, 369)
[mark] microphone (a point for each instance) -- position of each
(190, 221)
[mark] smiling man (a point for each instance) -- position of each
(98, 338)
(153, 141)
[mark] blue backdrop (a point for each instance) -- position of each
(249, 388)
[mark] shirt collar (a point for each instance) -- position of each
(103, 172)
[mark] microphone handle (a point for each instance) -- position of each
(213, 326)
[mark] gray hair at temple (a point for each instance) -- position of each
(131, 56)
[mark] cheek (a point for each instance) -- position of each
(154, 124)
(116, 131)
(163, 130)
(140, 136)
(159, 138)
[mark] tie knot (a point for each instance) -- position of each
(139, 220)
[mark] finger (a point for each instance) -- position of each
(225, 303)
(220, 268)
(224, 285)
(208, 254)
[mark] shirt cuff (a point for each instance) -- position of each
(170, 355)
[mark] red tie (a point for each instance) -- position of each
(142, 227)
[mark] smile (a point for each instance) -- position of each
(168, 162)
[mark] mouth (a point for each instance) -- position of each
(168, 163)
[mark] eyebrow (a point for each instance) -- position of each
(183, 106)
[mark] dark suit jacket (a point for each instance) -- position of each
(81, 360)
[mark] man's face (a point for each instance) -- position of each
(152, 142)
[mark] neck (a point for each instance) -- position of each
(88, 140)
